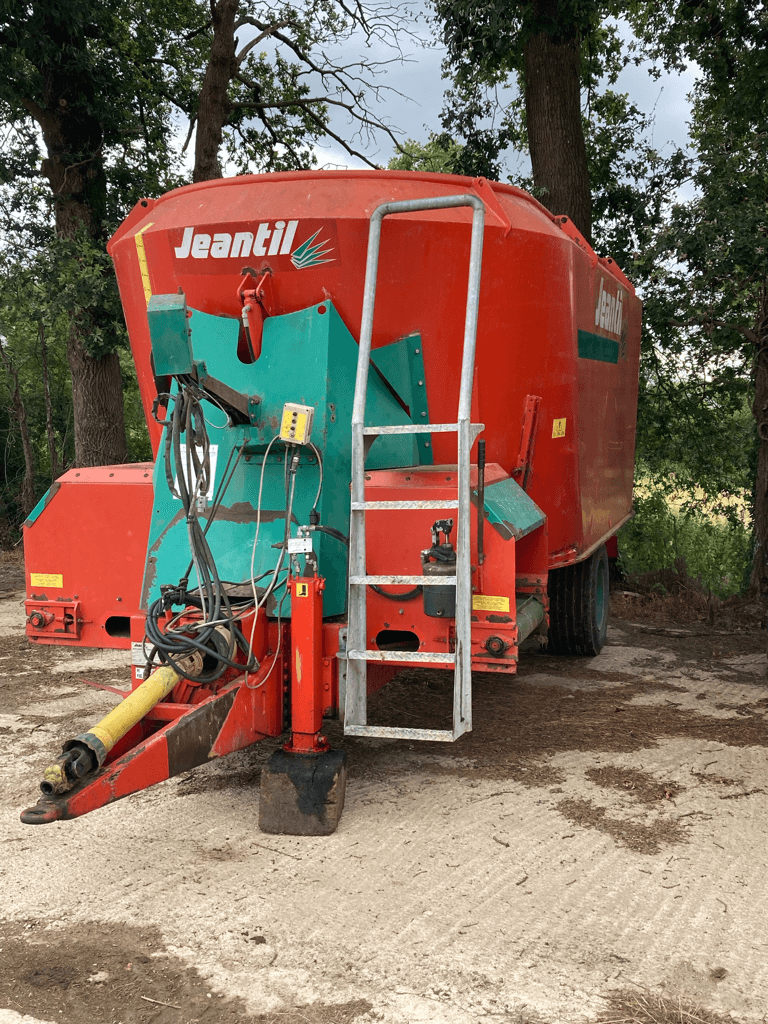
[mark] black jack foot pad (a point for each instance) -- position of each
(303, 794)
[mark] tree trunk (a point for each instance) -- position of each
(555, 135)
(213, 104)
(97, 383)
(49, 430)
(97, 391)
(759, 577)
(74, 167)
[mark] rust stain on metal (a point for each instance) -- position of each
(245, 512)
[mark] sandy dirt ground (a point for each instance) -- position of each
(602, 831)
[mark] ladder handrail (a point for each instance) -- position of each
(462, 711)
(369, 293)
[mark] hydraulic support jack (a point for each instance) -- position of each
(303, 785)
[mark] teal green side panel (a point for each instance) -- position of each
(307, 357)
(510, 511)
(33, 515)
(595, 346)
(402, 363)
(169, 333)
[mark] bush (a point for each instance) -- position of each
(714, 544)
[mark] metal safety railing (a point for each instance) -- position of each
(357, 652)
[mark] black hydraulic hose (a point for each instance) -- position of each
(168, 647)
(409, 595)
(332, 532)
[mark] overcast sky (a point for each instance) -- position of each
(417, 110)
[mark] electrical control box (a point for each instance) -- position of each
(296, 425)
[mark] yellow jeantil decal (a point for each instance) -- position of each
(47, 579)
(558, 428)
(487, 603)
(143, 262)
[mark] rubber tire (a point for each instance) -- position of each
(578, 606)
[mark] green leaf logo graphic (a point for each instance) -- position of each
(311, 255)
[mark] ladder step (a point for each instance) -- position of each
(394, 733)
(414, 428)
(362, 506)
(448, 659)
(393, 581)
(424, 428)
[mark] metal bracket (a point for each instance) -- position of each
(524, 462)
(53, 619)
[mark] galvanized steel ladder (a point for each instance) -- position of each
(357, 653)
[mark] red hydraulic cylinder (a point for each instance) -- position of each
(306, 665)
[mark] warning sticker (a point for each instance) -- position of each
(558, 428)
(47, 579)
(302, 590)
(487, 603)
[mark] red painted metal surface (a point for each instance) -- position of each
(509, 567)
(307, 696)
(85, 550)
(541, 285)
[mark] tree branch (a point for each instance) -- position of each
(270, 30)
(705, 321)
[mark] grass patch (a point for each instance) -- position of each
(631, 1008)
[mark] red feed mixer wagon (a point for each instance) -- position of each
(393, 416)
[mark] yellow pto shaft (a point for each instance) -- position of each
(85, 753)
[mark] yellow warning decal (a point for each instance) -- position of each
(558, 428)
(302, 590)
(143, 262)
(487, 603)
(47, 579)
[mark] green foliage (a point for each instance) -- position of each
(715, 549)
(20, 336)
(439, 155)
(80, 280)
(40, 294)
(704, 267)
(491, 36)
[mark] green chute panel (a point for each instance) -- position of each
(307, 357)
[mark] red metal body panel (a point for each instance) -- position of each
(86, 545)
(541, 285)
(393, 546)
